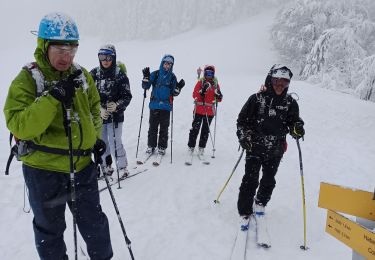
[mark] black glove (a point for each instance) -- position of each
(218, 94)
(204, 88)
(98, 151)
(180, 84)
(64, 89)
(99, 147)
(146, 74)
(244, 138)
(297, 131)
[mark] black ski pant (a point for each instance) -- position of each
(49, 192)
(196, 126)
(158, 118)
(250, 182)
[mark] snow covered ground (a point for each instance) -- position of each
(168, 211)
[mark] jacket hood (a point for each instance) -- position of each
(168, 58)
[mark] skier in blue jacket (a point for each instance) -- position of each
(164, 88)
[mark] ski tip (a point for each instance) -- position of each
(264, 245)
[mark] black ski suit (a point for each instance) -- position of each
(267, 118)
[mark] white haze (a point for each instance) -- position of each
(168, 212)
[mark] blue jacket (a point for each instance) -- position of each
(163, 87)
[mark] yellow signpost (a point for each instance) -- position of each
(352, 234)
(354, 202)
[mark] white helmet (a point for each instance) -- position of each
(280, 71)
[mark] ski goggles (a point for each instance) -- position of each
(104, 57)
(64, 49)
(209, 73)
(281, 81)
(168, 59)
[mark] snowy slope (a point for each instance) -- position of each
(168, 211)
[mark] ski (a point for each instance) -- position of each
(158, 159)
(84, 253)
(148, 156)
(202, 158)
(121, 179)
(189, 159)
(262, 235)
(239, 247)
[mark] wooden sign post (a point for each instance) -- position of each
(354, 202)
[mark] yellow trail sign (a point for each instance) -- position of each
(346, 200)
(352, 234)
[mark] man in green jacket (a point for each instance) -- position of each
(35, 112)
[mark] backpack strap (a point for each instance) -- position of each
(38, 77)
(82, 77)
(203, 80)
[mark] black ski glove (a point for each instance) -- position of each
(64, 89)
(98, 151)
(244, 138)
(180, 84)
(297, 131)
(146, 74)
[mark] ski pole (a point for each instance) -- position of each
(230, 176)
(127, 240)
(172, 130)
(214, 147)
(140, 123)
(116, 156)
(25, 192)
(208, 125)
(304, 247)
(72, 177)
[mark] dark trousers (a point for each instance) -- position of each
(250, 182)
(196, 126)
(49, 192)
(158, 118)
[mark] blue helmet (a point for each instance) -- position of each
(58, 26)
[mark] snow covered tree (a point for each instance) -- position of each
(328, 42)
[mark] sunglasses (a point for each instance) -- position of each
(64, 49)
(104, 57)
(168, 63)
